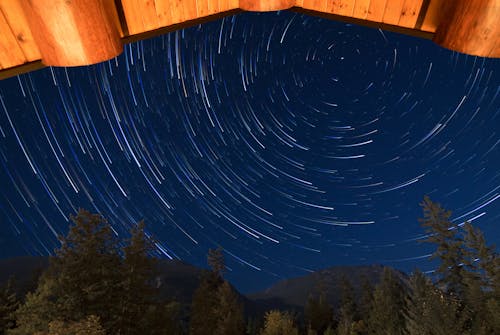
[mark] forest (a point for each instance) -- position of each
(95, 285)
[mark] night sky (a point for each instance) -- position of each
(295, 143)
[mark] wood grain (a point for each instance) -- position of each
(392, 12)
(409, 13)
(340, 7)
(10, 52)
(270, 5)
(361, 8)
(433, 15)
(78, 32)
(72, 33)
(14, 15)
(376, 10)
(472, 27)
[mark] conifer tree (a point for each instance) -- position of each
(229, 311)
(215, 305)
(88, 326)
(318, 313)
(366, 298)
(87, 269)
(40, 307)
(443, 234)
(8, 304)
(481, 266)
(279, 323)
(348, 312)
(418, 305)
(386, 314)
(136, 289)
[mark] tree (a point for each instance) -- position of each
(278, 323)
(348, 310)
(418, 305)
(443, 234)
(386, 314)
(215, 260)
(88, 326)
(137, 292)
(229, 311)
(82, 279)
(39, 308)
(481, 270)
(164, 319)
(8, 304)
(215, 305)
(318, 313)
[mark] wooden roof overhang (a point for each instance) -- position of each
(38, 33)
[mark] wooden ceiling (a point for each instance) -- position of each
(35, 33)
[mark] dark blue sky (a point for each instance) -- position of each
(294, 142)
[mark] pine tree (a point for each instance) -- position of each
(88, 326)
(348, 312)
(215, 260)
(88, 271)
(215, 305)
(418, 305)
(366, 298)
(318, 313)
(449, 250)
(39, 308)
(386, 314)
(229, 311)
(136, 289)
(446, 313)
(480, 269)
(164, 319)
(8, 304)
(203, 315)
(279, 323)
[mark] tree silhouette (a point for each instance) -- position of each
(279, 323)
(442, 233)
(386, 314)
(137, 292)
(318, 313)
(215, 305)
(8, 305)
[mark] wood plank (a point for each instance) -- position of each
(72, 33)
(392, 13)
(163, 11)
(189, 10)
(470, 26)
(141, 15)
(225, 5)
(202, 8)
(409, 13)
(433, 15)
(340, 7)
(318, 5)
(273, 5)
(13, 13)
(10, 51)
(213, 6)
(361, 8)
(376, 10)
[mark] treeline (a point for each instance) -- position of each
(94, 287)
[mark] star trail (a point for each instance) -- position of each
(294, 142)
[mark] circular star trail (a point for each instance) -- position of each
(293, 142)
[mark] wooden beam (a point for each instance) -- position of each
(74, 33)
(472, 27)
(266, 5)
